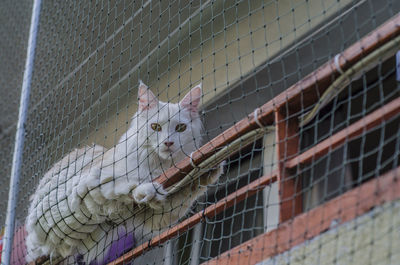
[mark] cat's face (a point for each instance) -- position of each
(173, 131)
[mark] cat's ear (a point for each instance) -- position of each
(147, 100)
(192, 99)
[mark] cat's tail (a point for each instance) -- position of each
(35, 249)
(33, 252)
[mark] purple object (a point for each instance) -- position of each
(118, 248)
(125, 243)
(398, 66)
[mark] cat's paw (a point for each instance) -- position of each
(151, 194)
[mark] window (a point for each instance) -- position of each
(367, 156)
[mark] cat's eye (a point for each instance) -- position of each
(156, 127)
(180, 127)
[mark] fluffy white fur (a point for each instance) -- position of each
(84, 200)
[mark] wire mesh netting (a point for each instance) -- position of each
(143, 146)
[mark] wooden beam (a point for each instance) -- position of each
(370, 121)
(344, 208)
(209, 212)
(287, 141)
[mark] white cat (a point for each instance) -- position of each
(86, 199)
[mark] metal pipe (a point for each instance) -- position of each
(20, 136)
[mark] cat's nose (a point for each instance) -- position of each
(168, 144)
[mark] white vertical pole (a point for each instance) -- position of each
(168, 253)
(196, 244)
(270, 193)
(19, 136)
